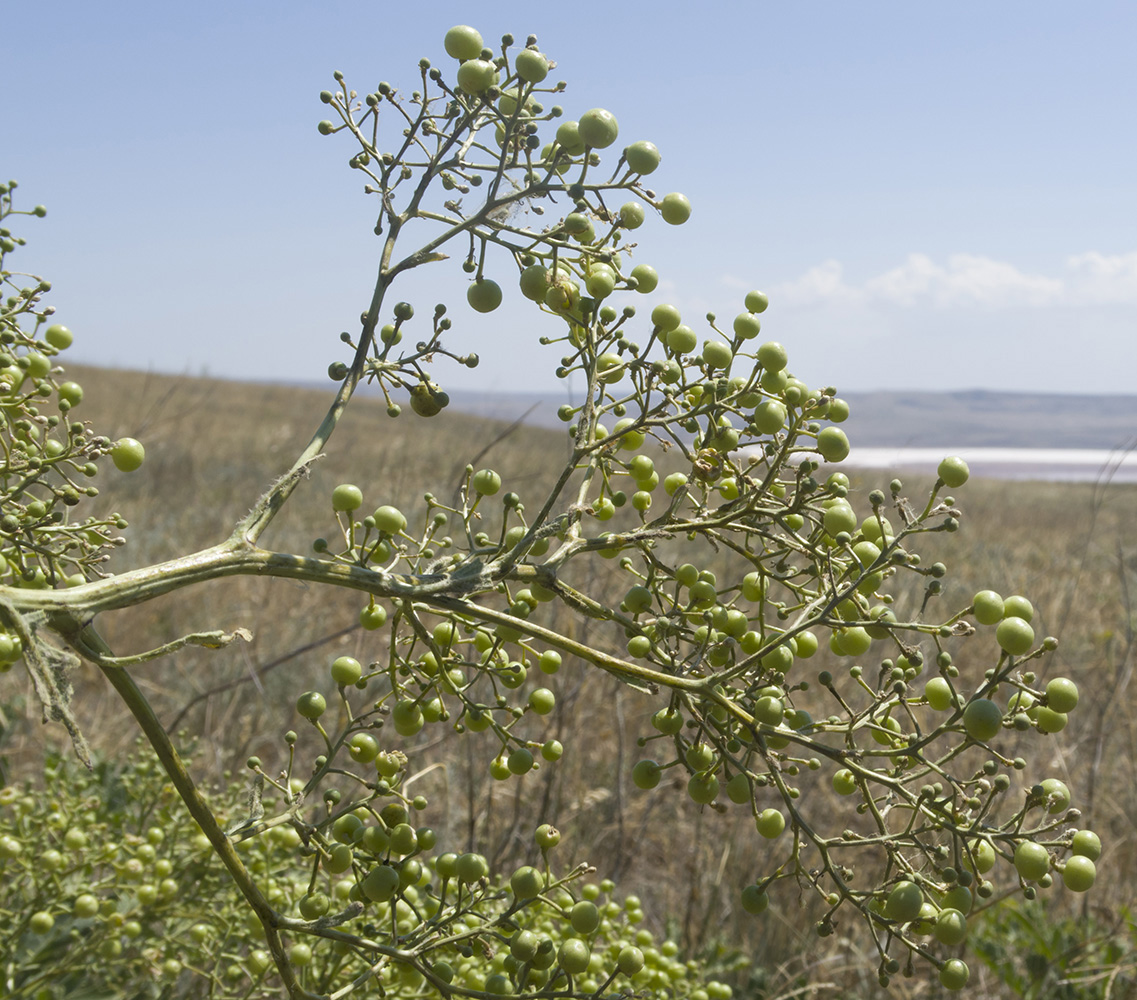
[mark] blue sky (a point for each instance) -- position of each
(934, 196)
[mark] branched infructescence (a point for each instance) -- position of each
(685, 453)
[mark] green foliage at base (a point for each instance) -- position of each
(110, 889)
(1038, 954)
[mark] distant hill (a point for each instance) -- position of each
(914, 419)
(905, 418)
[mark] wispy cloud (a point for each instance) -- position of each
(1090, 278)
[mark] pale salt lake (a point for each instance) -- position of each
(1045, 464)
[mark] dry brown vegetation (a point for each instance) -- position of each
(212, 446)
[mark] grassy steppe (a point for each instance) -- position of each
(213, 446)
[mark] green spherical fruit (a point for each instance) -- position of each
(531, 66)
(476, 76)
(703, 788)
(37, 365)
(647, 278)
(85, 906)
(363, 747)
(498, 984)
(904, 902)
(552, 750)
(1087, 844)
(841, 517)
(667, 722)
(738, 789)
(854, 641)
(1032, 860)
(953, 471)
(958, 897)
(470, 868)
(646, 774)
(754, 900)
(939, 694)
(463, 42)
(314, 905)
(682, 340)
(601, 282)
(520, 761)
(1049, 721)
(311, 705)
(347, 497)
(833, 444)
(982, 855)
(547, 836)
(58, 336)
(954, 974)
(598, 128)
(642, 157)
(769, 710)
(889, 728)
(484, 295)
(524, 944)
(756, 302)
(632, 215)
(747, 326)
(427, 401)
(982, 719)
(1014, 636)
(1062, 694)
(127, 454)
(950, 927)
(769, 417)
(630, 960)
(1017, 606)
(407, 717)
(70, 393)
(527, 882)
(665, 317)
(770, 823)
(1057, 796)
(534, 282)
(389, 520)
(574, 956)
(779, 659)
(772, 356)
(339, 859)
(576, 223)
(700, 756)
(584, 917)
(487, 482)
(41, 922)
(1079, 873)
(568, 136)
(299, 954)
(542, 701)
(609, 368)
(844, 782)
(346, 670)
(988, 607)
(380, 884)
(716, 354)
(638, 599)
(675, 209)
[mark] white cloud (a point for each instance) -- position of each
(1090, 278)
(1103, 278)
(823, 283)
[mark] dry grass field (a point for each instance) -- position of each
(212, 446)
